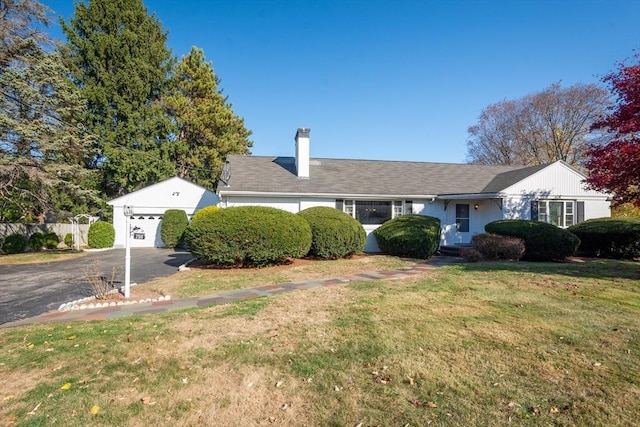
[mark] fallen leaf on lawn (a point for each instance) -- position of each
(410, 381)
(554, 410)
(66, 386)
(597, 364)
(416, 402)
(71, 337)
(94, 410)
(279, 383)
(272, 420)
(431, 405)
(336, 388)
(284, 407)
(148, 400)
(33, 411)
(30, 345)
(149, 361)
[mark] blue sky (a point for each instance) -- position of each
(390, 79)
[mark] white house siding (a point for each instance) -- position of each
(150, 203)
(313, 202)
(289, 204)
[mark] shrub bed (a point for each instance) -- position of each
(174, 223)
(204, 211)
(51, 240)
(493, 246)
(617, 238)
(36, 241)
(101, 235)
(14, 244)
(415, 236)
(542, 241)
(248, 236)
(334, 234)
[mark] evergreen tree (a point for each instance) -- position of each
(118, 57)
(207, 129)
(43, 150)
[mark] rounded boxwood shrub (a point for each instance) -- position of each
(51, 240)
(415, 236)
(174, 223)
(617, 238)
(542, 241)
(204, 211)
(36, 241)
(248, 236)
(68, 240)
(101, 235)
(14, 244)
(334, 234)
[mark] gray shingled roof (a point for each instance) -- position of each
(257, 174)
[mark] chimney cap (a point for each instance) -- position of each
(303, 132)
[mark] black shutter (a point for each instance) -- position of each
(580, 212)
(408, 207)
(340, 205)
(534, 210)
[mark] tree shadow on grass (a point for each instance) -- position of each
(594, 268)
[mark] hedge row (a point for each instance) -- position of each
(617, 238)
(542, 241)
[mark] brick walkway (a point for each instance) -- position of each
(104, 313)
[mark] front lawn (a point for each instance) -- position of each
(469, 344)
(50, 255)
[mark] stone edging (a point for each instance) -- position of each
(81, 304)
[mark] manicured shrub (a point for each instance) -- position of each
(415, 236)
(174, 223)
(68, 240)
(617, 238)
(542, 241)
(206, 210)
(335, 234)
(101, 235)
(36, 242)
(51, 240)
(471, 254)
(248, 236)
(14, 244)
(493, 246)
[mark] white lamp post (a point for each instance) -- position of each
(128, 211)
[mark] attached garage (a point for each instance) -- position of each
(149, 204)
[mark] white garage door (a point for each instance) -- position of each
(146, 231)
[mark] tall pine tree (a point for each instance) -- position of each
(118, 56)
(207, 129)
(44, 151)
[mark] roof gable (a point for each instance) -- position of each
(172, 192)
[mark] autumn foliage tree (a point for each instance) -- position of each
(553, 124)
(615, 167)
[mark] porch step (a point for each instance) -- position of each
(452, 250)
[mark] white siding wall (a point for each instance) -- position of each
(596, 209)
(312, 202)
(155, 200)
(289, 204)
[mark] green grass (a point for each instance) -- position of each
(471, 344)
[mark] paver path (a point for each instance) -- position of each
(229, 296)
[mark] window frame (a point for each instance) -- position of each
(545, 213)
(397, 207)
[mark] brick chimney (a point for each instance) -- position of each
(302, 152)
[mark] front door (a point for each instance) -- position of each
(460, 230)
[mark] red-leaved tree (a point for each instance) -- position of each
(615, 167)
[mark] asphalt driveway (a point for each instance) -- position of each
(32, 289)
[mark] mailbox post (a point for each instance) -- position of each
(128, 211)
